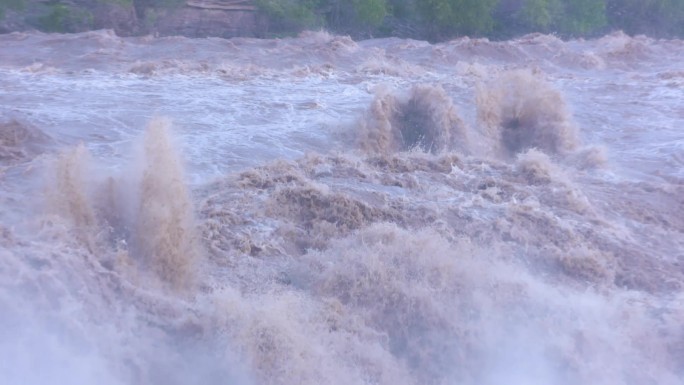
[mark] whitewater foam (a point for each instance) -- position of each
(519, 111)
(20, 142)
(424, 119)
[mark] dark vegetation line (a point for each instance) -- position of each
(497, 19)
(419, 19)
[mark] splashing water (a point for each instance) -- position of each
(520, 111)
(426, 120)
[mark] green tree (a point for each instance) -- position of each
(449, 17)
(64, 18)
(370, 12)
(10, 4)
(652, 17)
(402, 9)
(292, 15)
(582, 17)
(539, 15)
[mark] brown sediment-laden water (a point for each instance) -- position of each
(318, 210)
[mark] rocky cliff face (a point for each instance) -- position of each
(194, 18)
(197, 22)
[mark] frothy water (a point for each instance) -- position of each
(520, 111)
(424, 120)
(316, 210)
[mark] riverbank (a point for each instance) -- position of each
(437, 20)
(193, 18)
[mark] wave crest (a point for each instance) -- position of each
(424, 119)
(519, 111)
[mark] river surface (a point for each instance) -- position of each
(316, 210)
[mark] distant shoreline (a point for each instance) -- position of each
(492, 19)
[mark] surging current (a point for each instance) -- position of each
(317, 210)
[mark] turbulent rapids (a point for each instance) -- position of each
(317, 210)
